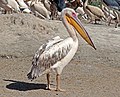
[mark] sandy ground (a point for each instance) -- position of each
(91, 73)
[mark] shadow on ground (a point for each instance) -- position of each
(24, 86)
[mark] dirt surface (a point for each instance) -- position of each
(91, 73)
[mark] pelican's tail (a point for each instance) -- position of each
(34, 73)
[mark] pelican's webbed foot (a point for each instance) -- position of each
(61, 90)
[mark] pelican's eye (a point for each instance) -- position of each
(73, 14)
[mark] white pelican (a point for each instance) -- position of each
(9, 5)
(116, 18)
(46, 4)
(39, 8)
(5, 6)
(22, 4)
(14, 5)
(95, 13)
(57, 53)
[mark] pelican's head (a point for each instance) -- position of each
(72, 19)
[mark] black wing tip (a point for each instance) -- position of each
(29, 76)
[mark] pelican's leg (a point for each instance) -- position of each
(58, 83)
(48, 81)
(109, 20)
(116, 24)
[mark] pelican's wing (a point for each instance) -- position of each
(49, 54)
(44, 47)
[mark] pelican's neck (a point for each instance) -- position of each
(86, 3)
(70, 29)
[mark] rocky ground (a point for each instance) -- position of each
(91, 73)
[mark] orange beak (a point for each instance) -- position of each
(75, 22)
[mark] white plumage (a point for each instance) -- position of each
(9, 5)
(22, 4)
(14, 5)
(39, 9)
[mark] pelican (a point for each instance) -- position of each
(111, 13)
(80, 11)
(14, 5)
(95, 13)
(57, 53)
(116, 19)
(39, 8)
(5, 6)
(46, 4)
(9, 5)
(22, 4)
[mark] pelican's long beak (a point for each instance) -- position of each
(75, 22)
